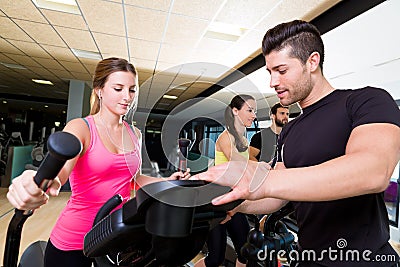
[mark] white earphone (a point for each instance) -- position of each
(99, 94)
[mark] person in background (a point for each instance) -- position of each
(335, 159)
(231, 145)
(263, 144)
(109, 160)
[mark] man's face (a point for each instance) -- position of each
(281, 117)
(289, 77)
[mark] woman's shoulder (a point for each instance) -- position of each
(79, 128)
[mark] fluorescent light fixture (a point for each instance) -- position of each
(86, 54)
(13, 66)
(68, 6)
(224, 31)
(179, 87)
(42, 81)
(170, 96)
(4, 102)
(46, 106)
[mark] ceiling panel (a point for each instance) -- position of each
(145, 24)
(30, 49)
(111, 44)
(103, 16)
(251, 12)
(185, 31)
(6, 47)
(4, 58)
(22, 9)
(204, 9)
(76, 66)
(40, 32)
(26, 61)
(143, 49)
(9, 30)
(60, 53)
(67, 20)
(49, 63)
(162, 5)
(77, 39)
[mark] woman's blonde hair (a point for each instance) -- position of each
(103, 70)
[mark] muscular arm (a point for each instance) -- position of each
(372, 152)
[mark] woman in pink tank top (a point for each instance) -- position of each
(109, 161)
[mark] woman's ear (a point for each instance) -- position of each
(235, 111)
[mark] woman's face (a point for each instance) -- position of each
(247, 113)
(119, 92)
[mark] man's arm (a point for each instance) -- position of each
(253, 153)
(261, 206)
(372, 152)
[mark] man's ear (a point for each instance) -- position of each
(313, 60)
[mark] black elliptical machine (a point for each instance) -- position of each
(62, 146)
(264, 248)
(166, 224)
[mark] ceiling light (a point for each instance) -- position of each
(13, 66)
(224, 31)
(86, 54)
(4, 102)
(170, 96)
(46, 106)
(179, 87)
(68, 6)
(42, 81)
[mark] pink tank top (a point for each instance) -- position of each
(98, 175)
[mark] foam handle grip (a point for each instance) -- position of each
(62, 146)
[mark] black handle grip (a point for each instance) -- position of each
(62, 146)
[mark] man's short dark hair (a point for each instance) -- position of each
(275, 107)
(302, 37)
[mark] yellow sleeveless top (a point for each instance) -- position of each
(220, 156)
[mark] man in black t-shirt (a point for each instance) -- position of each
(335, 159)
(263, 144)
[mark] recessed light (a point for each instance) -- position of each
(68, 6)
(86, 54)
(179, 87)
(42, 81)
(170, 96)
(13, 66)
(224, 31)
(46, 106)
(4, 102)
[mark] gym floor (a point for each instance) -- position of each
(39, 225)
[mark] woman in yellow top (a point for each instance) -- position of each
(231, 145)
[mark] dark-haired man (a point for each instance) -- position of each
(263, 144)
(335, 159)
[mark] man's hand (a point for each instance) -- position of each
(246, 178)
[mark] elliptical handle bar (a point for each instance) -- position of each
(62, 146)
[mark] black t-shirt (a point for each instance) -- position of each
(265, 141)
(320, 134)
